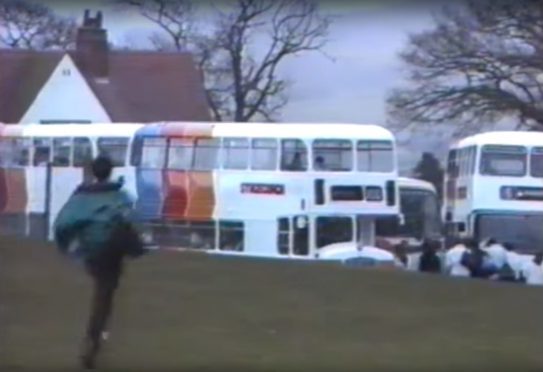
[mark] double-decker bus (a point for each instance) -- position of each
(41, 165)
(494, 188)
(420, 215)
(274, 190)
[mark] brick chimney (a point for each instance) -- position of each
(92, 46)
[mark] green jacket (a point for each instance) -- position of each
(86, 221)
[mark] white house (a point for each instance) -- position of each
(95, 84)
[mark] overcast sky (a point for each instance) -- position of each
(364, 42)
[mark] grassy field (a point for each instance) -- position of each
(193, 312)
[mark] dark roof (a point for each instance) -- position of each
(142, 86)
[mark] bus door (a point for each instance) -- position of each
(300, 238)
(293, 236)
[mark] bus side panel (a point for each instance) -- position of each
(15, 201)
(64, 181)
(36, 183)
(150, 185)
(177, 194)
(201, 203)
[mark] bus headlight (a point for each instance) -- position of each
(374, 193)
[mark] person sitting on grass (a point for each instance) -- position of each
(429, 260)
(532, 271)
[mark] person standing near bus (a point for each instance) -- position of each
(95, 227)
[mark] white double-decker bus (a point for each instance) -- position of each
(494, 188)
(273, 190)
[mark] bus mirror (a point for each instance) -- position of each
(461, 227)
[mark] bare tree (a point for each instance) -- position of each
(31, 25)
(482, 62)
(242, 82)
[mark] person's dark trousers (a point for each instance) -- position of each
(105, 271)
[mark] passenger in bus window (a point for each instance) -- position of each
(319, 163)
(296, 163)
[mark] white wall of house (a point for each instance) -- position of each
(66, 96)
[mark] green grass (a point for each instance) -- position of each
(193, 312)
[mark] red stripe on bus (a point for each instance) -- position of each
(188, 195)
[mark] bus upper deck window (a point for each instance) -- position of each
(497, 160)
(264, 154)
(293, 155)
(61, 151)
(332, 155)
(82, 152)
(206, 154)
(42, 152)
(14, 152)
(153, 154)
(235, 153)
(375, 156)
(536, 162)
(115, 148)
(180, 153)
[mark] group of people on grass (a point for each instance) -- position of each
(493, 260)
(467, 257)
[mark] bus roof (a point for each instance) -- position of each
(73, 130)
(415, 184)
(301, 130)
(275, 130)
(518, 138)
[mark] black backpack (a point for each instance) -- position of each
(125, 239)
